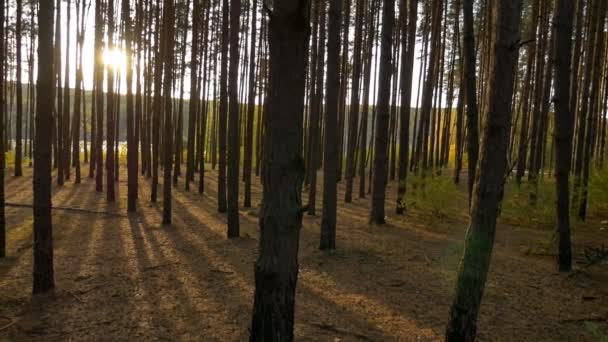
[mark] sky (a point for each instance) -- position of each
(89, 55)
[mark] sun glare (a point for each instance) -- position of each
(114, 58)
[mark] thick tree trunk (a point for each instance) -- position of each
(276, 269)
(382, 117)
(489, 184)
(43, 226)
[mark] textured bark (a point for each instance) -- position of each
(131, 135)
(19, 92)
(110, 113)
(330, 155)
(470, 93)
(65, 138)
(276, 268)
(248, 157)
(489, 184)
(223, 111)
(2, 130)
(233, 121)
(564, 121)
(99, 72)
(194, 90)
(594, 102)
(156, 108)
(353, 116)
(317, 113)
(382, 117)
(167, 59)
(408, 43)
(43, 223)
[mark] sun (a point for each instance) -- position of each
(114, 58)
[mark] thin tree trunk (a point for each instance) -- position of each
(382, 117)
(233, 121)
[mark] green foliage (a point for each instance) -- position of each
(595, 330)
(436, 194)
(598, 190)
(518, 209)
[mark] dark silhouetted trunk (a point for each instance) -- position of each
(43, 224)
(330, 155)
(564, 121)
(382, 117)
(470, 93)
(408, 47)
(276, 269)
(233, 121)
(167, 58)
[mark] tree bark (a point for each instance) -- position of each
(408, 43)
(167, 59)
(233, 121)
(564, 121)
(330, 155)
(382, 117)
(489, 184)
(276, 268)
(43, 222)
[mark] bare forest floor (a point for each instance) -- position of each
(126, 278)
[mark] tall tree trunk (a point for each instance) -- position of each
(330, 155)
(408, 46)
(167, 58)
(65, 144)
(276, 269)
(248, 157)
(564, 121)
(489, 184)
(223, 114)
(317, 110)
(19, 91)
(194, 99)
(233, 121)
(470, 93)
(594, 102)
(44, 279)
(382, 117)
(98, 98)
(110, 112)
(353, 117)
(131, 136)
(2, 129)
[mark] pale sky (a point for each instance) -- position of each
(89, 56)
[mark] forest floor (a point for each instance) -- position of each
(127, 277)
